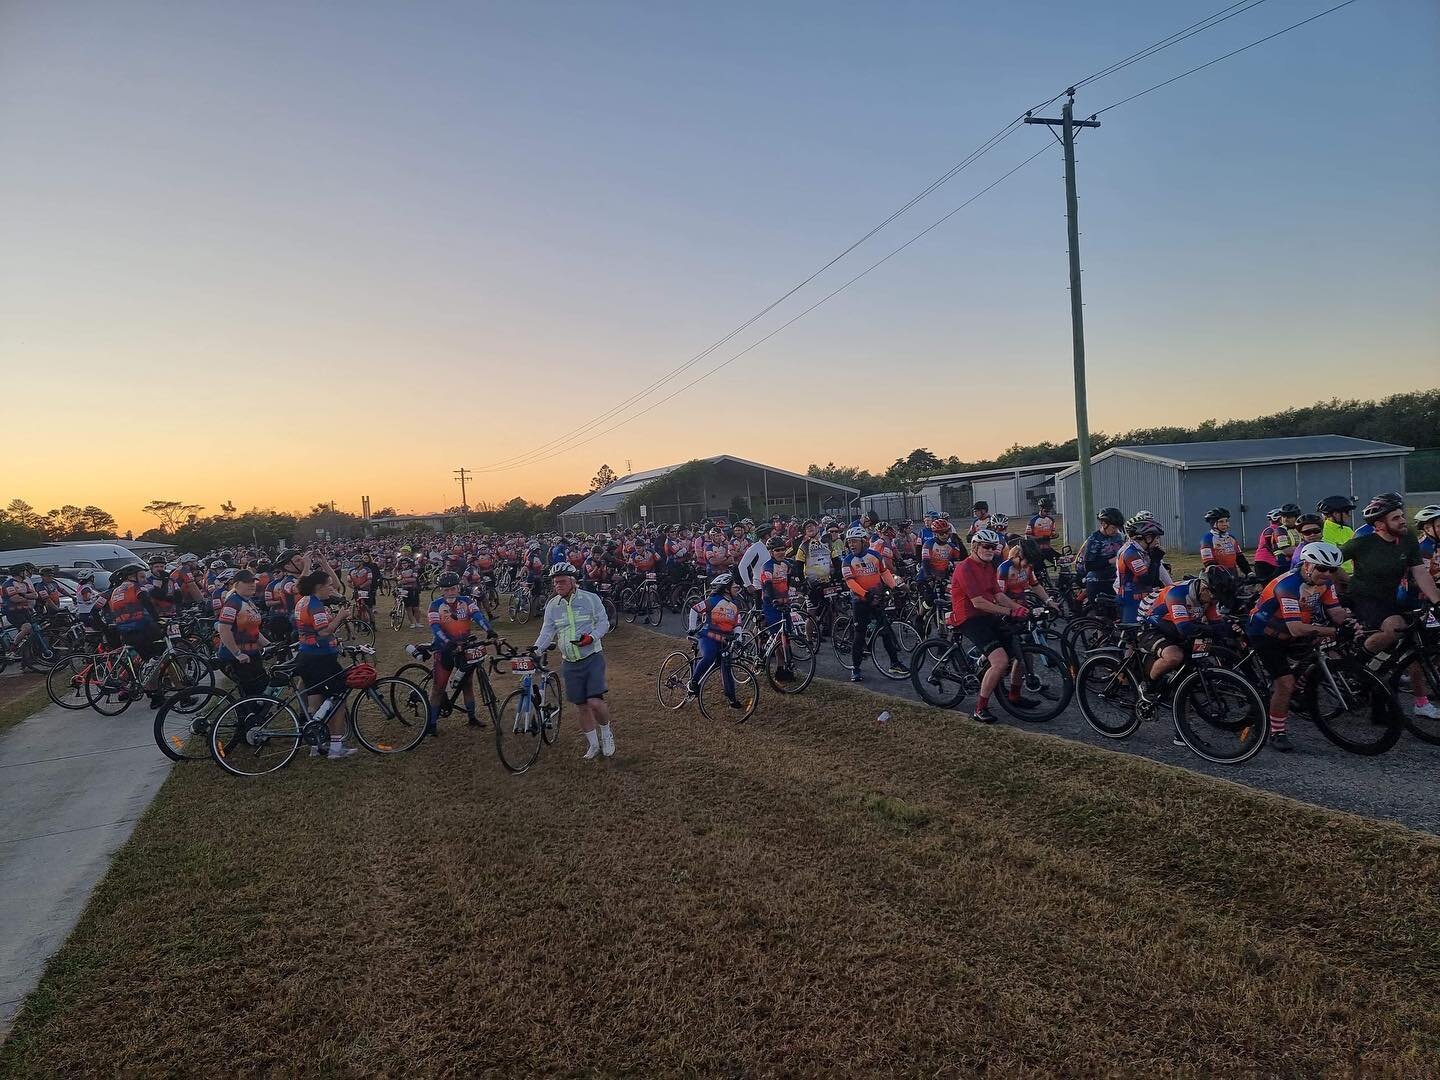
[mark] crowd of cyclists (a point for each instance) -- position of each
(864, 584)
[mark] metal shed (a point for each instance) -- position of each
(1178, 482)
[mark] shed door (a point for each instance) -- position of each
(1264, 487)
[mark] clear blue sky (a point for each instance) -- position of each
(452, 205)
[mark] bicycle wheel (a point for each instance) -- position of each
(800, 668)
(840, 637)
(421, 676)
(626, 602)
(1083, 636)
(553, 709)
(65, 681)
(180, 671)
(1219, 716)
(715, 706)
(656, 613)
(389, 717)
(1107, 696)
(1357, 712)
(182, 723)
(255, 736)
(672, 679)
(1044, 679)
(520, 609)
(940, 674)
(397, 619)
(519, 733)
(907, 640)
(1423, 728)
(110, 692)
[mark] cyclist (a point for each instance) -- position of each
(999, 524)
(981, 516)
(1177, 615)
(1384, 559)
(238, 624)
(1098, 556)
(85, 592)
(1137, 568)
(281, 595)
(18, 599)
(48, 591)
(1287, 612)
(162, 587)
(773, 581)
(866, 575)
(714, 621)
(407, 581)
(453, 617)
(940, 552)
(318, 664)
(1041, 529)
(1367, 527)
(753, 556)
(977, 604)
(184, 579)
(1219, 548)
(133, 614)
(1017, 573)
(1336, 509)
(577, 620)
(1271, 546)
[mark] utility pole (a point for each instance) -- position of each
(462, 474)
(1067, 125)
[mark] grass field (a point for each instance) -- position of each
(20, 697)
(809, 893)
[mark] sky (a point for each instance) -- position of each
(279, 253)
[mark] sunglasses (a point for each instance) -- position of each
(1311, 532)
(987, 547)
(1324, 569)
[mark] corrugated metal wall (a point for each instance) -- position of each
(1125, 482)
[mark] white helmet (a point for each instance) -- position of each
(1000, 522)
(987, 536)
(1427, 513)
(720, 581)
(1319, 553)
(857, 533)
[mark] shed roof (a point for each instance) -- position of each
(608, 498)
(1005, 470)
(1209, 455)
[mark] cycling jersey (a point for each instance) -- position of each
(815, 561)
(1270, 546)
(939, 556)
(717, 556)
(1098, 558)
(644, 562)
(1041, 527)
(971, 579)
(1220, 549)
(864, 572)
(452, 621)
(1287, 599)
(1015, 579)
(361, 579)
(774, 580)
(163, 592)
(129, 610)
(313, 627)
(244, 621)
(979, 523)
(1132, 573)
(1169, 607)
(281, 594)
(719, 617)
(19, 598)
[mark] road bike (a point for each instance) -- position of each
(729, 690)
(123, 677)
(1037, 686)
(185, 717)
(907, 638)
(781, 649)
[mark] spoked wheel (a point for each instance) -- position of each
(520, 609)
(109, 693)
(1083, 636)
(1219, 716)
(182, 723)
(790, 665)
(655, 614)
(397, 619)
(716, 705)
(1107, 696)
(519, 733)
(553, 709)
(1423, 728)
(672, 679)
(626, 602)
(940, 673)
(182, 671)
(840, 640)
(1356, 712)
(389, 717)
(907, 640)
(255, 736)
(1043, 682)
(65, 681)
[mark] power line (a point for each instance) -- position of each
(1227, 56)
(795, 318)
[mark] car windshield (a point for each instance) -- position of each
(115, 564)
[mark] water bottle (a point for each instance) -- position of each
(883, 720)
(455, 677)
(325, 707)
(411, 652)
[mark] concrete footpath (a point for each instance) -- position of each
(72, 785)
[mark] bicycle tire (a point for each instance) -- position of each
(1195, 703)
(395, 712)
(1045, 674)
(518, 732)
(1376, 716)
(65, 681)
(938, 673)
(802, 668)
(1101, 682)
(104, 692)
(840, 639)
(1083, 636)
(184, 735)
(1423, 728)
(274, 745)
(672, 680)
(712, 693)
(555, 706)
(907, 640)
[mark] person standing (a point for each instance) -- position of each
(576, 619)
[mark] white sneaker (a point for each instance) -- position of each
(1429, 711)
(607, 742)
(591, 752)
(341, 751)
(320, 751)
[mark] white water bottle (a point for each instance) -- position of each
(455, 676)
(410, 652)
(324, 710)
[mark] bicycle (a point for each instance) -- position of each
(121, 682)
(397, 611)
(360, 627)
(27, 654)
(191, 711)
(642, 602)
(261, 734)
(1218, 714)
(944, 670)
(1419, 644)
(672, 684)
(534, 710)
(522, 600)
(907, 639)
(779, 646)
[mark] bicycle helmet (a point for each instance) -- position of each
(1215, 514)
(189, 558)
(1030, 551)
(361, 677)
(1000, 522)
(563, 569)
(1319, 553)
(1386, 502)
(1290, 509)
(1149, 530)
(1427, 514)
(224, 576)
(987, 536)
(1135, 520)
(448, 580)
(1111, 515)
(1220, 582)
(1309, 519)
(944, 515)
(777, 543)
(123, 574)
(217, 564)
(1273, 515)
(720, 582)
(857, 533)
(85, 577)
(982, 506)
(1335, 504)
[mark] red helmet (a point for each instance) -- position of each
(361, 677)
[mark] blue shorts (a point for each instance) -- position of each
(584, 678)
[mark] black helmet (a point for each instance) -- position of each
(1215, 513)
(1335, 504)
(1289, 510)
(1386, 502)
(127, 571)
(1111, 515)
(1030, 551)
(1219, 581)
(777, 543)
(448, 580)
(1309, 519)
(982, 506)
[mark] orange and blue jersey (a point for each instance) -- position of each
(163, 592)
(1220, 549)
(244, 620)
(217, 598)
(1169, 607)
(1287, 599)
(939, 555)
(1041, 528)
(1132, 577)
(361, 579)
(720, 615)
(128, 610)
(314, 626)
(774, 588)
(717, 556)
(1016, 579)
(864, 572)
(452, 621)
(281, 594)
(644, 562)
(18, 596)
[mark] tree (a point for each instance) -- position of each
(739, 508)
(227, 507)
(171, 513)
(561, 503)
(849, 475)
(385, 511)
(79, 523)
(604, 478)
(20, 526)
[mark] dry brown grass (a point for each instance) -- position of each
(807, 894)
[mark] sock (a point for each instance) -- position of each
(434, 714)
(592, 739)
(1421, 700)
(335, 740)
(982, 702)
(1277, 724)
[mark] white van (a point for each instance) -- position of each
(86, 556)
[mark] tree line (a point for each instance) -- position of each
(22, 526)
(1406, 419)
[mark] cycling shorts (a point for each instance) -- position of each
(986, 632)
(1276, 655)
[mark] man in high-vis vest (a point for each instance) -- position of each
(576, 620)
